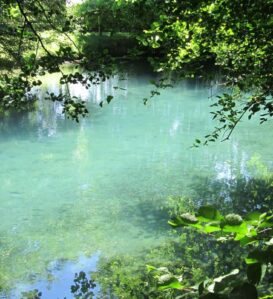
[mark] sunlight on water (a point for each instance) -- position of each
(70, 190)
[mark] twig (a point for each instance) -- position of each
(235, 124)
(55, 28)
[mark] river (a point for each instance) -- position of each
(72, 191)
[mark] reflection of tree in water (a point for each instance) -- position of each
(83, 288)
(241, 193)
(41, 121)
(45, 118)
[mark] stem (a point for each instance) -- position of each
(235, 124)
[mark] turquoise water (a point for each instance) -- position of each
(72, 190)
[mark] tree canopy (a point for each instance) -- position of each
(191, 38)
(233, 38)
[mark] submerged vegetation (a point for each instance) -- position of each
(224, 250)
(232, 261)
(211, 253)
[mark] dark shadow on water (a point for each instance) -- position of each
(240, 195)
(149, 216)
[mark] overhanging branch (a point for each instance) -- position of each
(28, 22)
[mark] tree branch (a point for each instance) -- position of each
(28, 22)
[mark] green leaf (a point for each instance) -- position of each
(239, 229)
(250, 261)
(266, 224)
(246, 240)
(150, 268)
(167, 281)
(109, 99)
(253, 217)
(208, 213)
(211, 228)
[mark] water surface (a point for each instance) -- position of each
(72, 190)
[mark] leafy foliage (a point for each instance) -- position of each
(254, 230)
(180, 263)
(30, 21)
(82, 288)
(231, 36)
